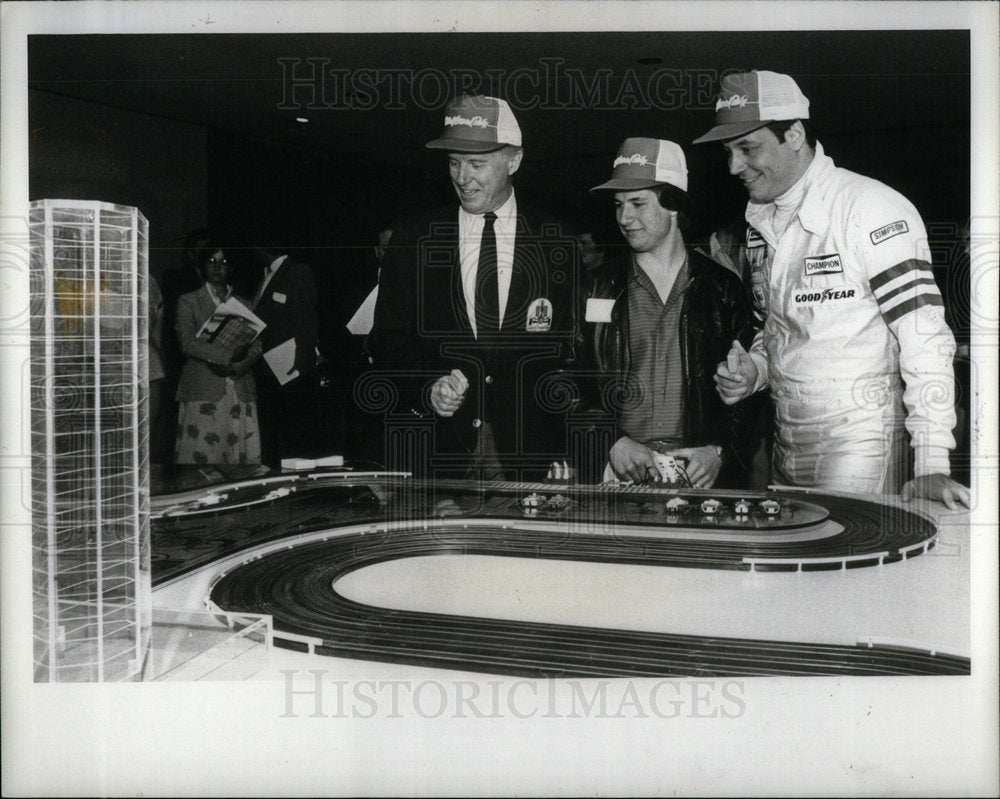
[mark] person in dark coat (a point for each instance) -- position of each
(656, 322)
(474, 324)
(286, 301)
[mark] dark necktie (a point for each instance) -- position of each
(487, 297)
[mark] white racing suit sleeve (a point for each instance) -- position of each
(756, 269)
(889, 239)
(758, 354)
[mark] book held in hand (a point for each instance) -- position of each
(231, 326)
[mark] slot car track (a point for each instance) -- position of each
(870, 532)
(297, 586)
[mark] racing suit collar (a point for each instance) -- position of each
(812, 214)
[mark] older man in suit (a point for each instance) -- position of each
(476, 303)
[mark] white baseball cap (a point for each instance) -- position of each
(750, 100)
(474, 123)
(644, 163)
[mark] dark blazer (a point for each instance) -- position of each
(516, 377)
(714, 312)
(288, 308)
(198, 381)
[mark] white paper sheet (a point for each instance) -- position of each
(361, 323)
(281, 359)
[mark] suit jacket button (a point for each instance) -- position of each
(489, 380)
(477, 422)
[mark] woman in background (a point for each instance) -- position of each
(217, 419)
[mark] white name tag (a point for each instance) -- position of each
(599, 310)
(279, 297)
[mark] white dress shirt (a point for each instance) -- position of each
(470, 234)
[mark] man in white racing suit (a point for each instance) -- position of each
(854, 339)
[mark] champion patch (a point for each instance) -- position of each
(802, 299)
(887, 232)
(823, 265)
(539, 316)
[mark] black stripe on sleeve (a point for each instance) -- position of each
(904, 308)
(920, 281)
(913, 264)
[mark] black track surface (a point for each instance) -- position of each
(192, 539)
(296, 586)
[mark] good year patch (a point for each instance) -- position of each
(822, 296)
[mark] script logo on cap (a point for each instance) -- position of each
(636, 159)
(736, 101)
(475, 122)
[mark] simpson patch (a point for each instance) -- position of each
(823, 265)
(887, 232)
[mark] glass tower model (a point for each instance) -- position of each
(89, 441)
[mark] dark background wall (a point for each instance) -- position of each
(88, 151)
(201, 129)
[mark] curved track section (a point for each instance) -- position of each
(296, 586)
(814, 532)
